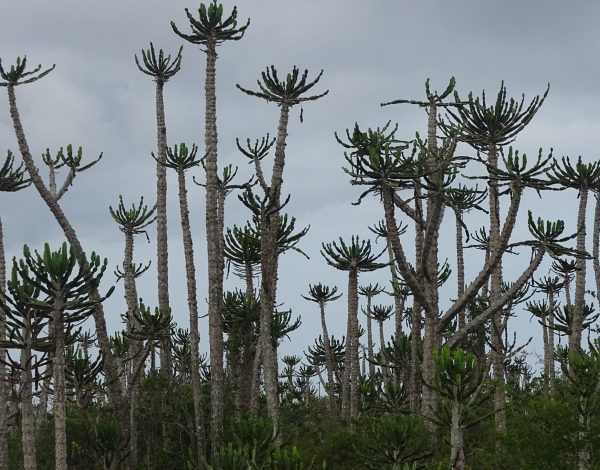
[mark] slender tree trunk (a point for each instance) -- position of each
(27, 418)
(214, 250)
(132, 306)
(370, 340)
(190, 270)
(580, 263)
(398, 299)
(4, 384)
(60, 398)
(111, 367)
(353, 349)
(550, 359)
(328, 359)
(460, 266)
(381, 336)
(162, 247)
(269, 268)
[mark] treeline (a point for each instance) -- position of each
(451, 388)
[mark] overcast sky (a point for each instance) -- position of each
(371, 51)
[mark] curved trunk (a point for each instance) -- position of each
(328, 359)
(214, 245)
(111, 368)
(190, 271)
(162, 249)
(60, 398)
(580, 263)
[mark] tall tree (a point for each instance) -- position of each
(370, 291)
(585, 178)
(354, 257)
(322, 294)
(161, 69)
(12, 179)
(210, 29)
(15, 76)
(182, 159)
(286, 94)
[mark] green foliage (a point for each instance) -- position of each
(12, 178)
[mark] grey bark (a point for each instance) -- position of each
(580, 263)
(460, 266)
(329, 388)
(190, 269)
(60, 398)
(4, 385)
(162, 248)
(27, 416)
(457, 452)
(370, 340)
(214, 249)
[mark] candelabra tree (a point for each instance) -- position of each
(370, 291)
(132, 222)
(286, 93)
(354, 258)
(585, 178)
(11, 78)
(322, 294)
(68, 301)
(210, 29)
(182, 159)
(161, 67)
(488, 128)
(12, 179)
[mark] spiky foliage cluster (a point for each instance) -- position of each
(135, 219)
(355, 256)
(17, 74)
(12, 178)
(161, 68)
(321, 293)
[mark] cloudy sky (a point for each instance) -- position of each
(371, 51)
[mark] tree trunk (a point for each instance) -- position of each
(60, 398)
(370, 340)
(457, 452)
(550, 358)
(27, 418)
(328, 359)
(580, 263)
(214, 250)
(162, 248)
(111, 367)
(352, 342)
(190, 270)
(460, 266)
(4, 384)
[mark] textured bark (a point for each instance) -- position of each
(27, 417)
(595, 244)
(497, 331)
(60, 398)
(162, 248)
(580, 263)
(190, 271)
(131, 299)
(370, 340)
(549, 359)
(457, 452)
(398, 299)
(328, 359)
(110, 363)
(244, 384)
(352, 362)
(269, 267)
(460, 266)
(4, 385)
(214, 249)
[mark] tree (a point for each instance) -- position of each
(370, 291)
(286, 94)
(182, 159)
(161, 69)
(322, 294)
(68, 301)
(354, 257)
(210, 29)
(19, 75)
